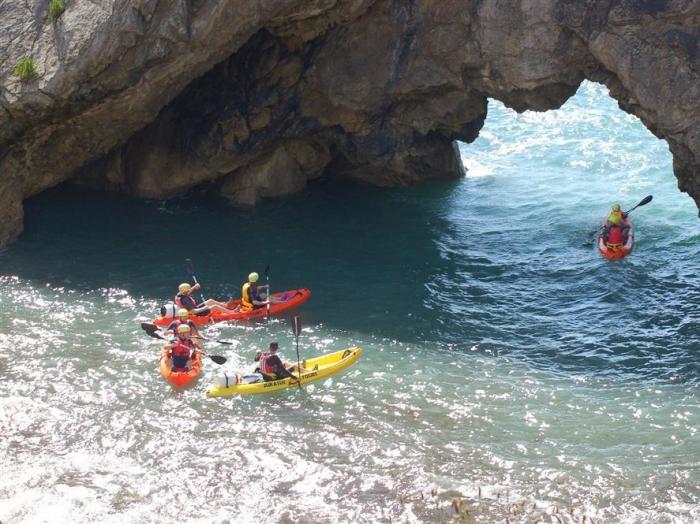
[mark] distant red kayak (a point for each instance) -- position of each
(615, 246)
(290, 299)
(179, 379)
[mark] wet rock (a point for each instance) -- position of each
(153, 97)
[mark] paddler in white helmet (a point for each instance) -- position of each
(182, 347)
(184, 300)
(182, 318)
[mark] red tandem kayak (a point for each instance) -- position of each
(290, 300)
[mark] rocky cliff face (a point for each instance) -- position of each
(152, 97)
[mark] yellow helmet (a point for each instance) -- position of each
(616, 207)
(182, 312)
(184, 287)
(182, 329)
(253, 277)
(614, 218)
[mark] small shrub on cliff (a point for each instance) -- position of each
(26, 70)
(56, 8)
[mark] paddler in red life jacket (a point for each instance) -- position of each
(182, 348)
(272, 367)
(184, 300)
(181, 320)
(616, 226)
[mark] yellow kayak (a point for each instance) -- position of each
(328, 364)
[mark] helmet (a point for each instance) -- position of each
(616, 207)
(184, 287)
(253, 277)
(184, 328)
(182, 312)
(614, 218)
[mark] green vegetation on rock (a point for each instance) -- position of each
(56, 8)
(26, 70)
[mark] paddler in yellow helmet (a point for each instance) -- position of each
(616, 218)
(183, 317)
(252, 298)
(182, 347)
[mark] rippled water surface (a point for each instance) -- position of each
(509, 371)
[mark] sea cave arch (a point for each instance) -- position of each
(257, 101)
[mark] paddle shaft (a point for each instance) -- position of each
(269, 291)
(296, 328)
(190, 269)
(298, 363)
(643, 202)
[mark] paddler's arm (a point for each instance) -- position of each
(280, 370)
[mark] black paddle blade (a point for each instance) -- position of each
(151, 329)
(188, 266)
(218, 359)
(643, 202)
(225, 342)
(296, 326)
(267, 270)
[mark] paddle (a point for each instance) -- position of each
(152, 328)
(643, 202)
(189, 268)
(216, 358)
(296, 329)
(269, 291)
(152, 333)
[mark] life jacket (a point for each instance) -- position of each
(615, 239)
(178, 301)
(246, 298)
(265, 367)
(182, 348)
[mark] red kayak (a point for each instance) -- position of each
(615, 245)
(179, 379)
(289, 300)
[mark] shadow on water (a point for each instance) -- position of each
(365, 253)
(394, 264)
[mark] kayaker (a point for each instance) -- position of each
(252, 298)
(272, 367)
(182, 318)
(182, 348)
(184, 300)
(616, 218)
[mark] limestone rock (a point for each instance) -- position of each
(153, 97)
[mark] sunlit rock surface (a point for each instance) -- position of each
(153, 97)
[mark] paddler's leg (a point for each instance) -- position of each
(212, 305)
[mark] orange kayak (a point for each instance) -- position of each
(180, 379)
(614, 251)
(289, 300)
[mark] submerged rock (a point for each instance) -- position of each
(153, 97)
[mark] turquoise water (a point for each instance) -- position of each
(506, 363)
